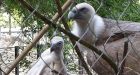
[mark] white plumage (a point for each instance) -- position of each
(87, 24)
(51, 59)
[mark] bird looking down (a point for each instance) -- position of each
(81, 11)
(51, 59)
(86, 23)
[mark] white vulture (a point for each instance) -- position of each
(87, 24)
(51, 60)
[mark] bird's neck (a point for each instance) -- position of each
(82, 26)
(82, 23)
(59, 55)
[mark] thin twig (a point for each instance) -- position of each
(121, 70)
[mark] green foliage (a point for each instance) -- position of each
(69, 56)
(109, 9)
(24, 63)
(114, 8)
(46, 8)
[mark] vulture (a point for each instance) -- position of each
(51, 60)
(108, 36)
(87, 24)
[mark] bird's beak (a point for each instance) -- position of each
(74, 14)
(52, 48)
(71, 15)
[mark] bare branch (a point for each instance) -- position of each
(121, 70)
(64, 8)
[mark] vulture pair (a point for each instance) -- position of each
(106, 34)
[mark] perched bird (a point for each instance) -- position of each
(87, 24)
(109, 36)
(50, 60)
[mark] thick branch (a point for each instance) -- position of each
(60, 12)
(64, 8)
(99, 52)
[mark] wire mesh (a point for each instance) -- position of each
(26, 34)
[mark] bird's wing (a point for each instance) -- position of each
(41, 63)
(114, 33)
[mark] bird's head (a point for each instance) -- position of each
(81, 12)
(57, 44)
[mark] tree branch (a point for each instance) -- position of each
(64, 8)
(121, 69)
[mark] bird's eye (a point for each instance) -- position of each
(59, 43)
(74, 11)
(83, 9)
